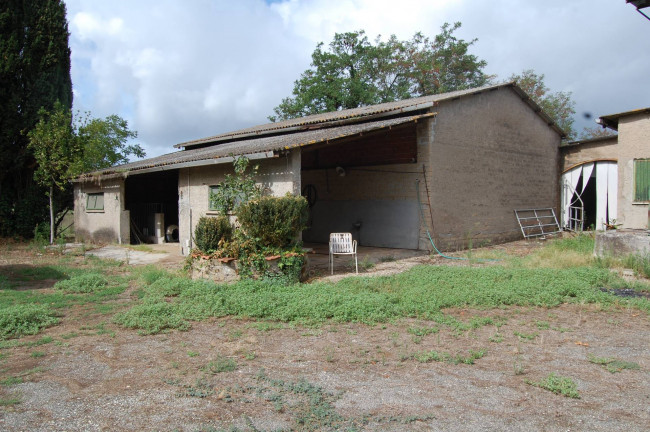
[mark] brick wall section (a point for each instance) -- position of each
(634, 143)
(576, 155)
(490, 154)
(278, 175)
(110, 225)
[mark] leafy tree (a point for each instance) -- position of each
(104, 143)
(55, 149)
(596, 132)
(354, 72)
(558, 105)
(34, 74)
(63, 150)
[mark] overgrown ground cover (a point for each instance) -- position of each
(263, 356)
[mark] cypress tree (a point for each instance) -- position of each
(34, 74)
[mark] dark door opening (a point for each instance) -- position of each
(152, 200)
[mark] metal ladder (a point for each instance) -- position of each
(537, 222)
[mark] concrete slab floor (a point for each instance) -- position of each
(366, 256)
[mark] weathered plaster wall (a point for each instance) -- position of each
(383, 198)
(490, 154)
(633, 143)
(110, 225)
(575, 155)
(278, 175)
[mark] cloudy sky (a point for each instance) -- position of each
(179, 70)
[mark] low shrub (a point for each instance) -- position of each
(274, 221)
(210, 233)
(83, 283)
(29, 319)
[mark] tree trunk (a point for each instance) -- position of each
(51, 215)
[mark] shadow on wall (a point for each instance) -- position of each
(104, 235)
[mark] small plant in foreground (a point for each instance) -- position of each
(10, 401)
(220, 364)
(613, 365)
(527, 336)
(429, 356)
(558, 385)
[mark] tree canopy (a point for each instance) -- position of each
(34, 74)
(558, 105)
(63, 150)
(354, 72)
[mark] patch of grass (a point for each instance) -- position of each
(430, 356)
(200, 389)
(82, 283)
(192, 354)
(542, 325)
(558, 385)
(421, 292)
(26, 319)
(10, 401)
(69, 335)
(639, 263)
(613, 365)
(423, 331)
(219, 365)
(496, 338)
(37, 354)
(11, 381)
(36, 273)
(527, 336)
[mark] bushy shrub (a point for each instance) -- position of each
(272, 221)
(210, 232)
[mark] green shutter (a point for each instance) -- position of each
(95, 201)
(642, 180)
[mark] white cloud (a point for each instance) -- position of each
(178, 71)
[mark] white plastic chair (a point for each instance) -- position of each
(342, 244)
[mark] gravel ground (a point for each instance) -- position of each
(227, 374)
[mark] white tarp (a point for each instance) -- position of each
(606, 190)
(602, 169)
(570, 179)
(586, 174)
(612, 190)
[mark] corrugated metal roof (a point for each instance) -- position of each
(388, 108)
(362, 114)
(253, 146)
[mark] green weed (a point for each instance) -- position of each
(527, 336)
(429, 356)
(27, 319)
(558, 385)
(37, 354)
(219, 365)
(613, 365)
(10, 401)
(82, 283)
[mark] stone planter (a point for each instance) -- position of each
(225, 270)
